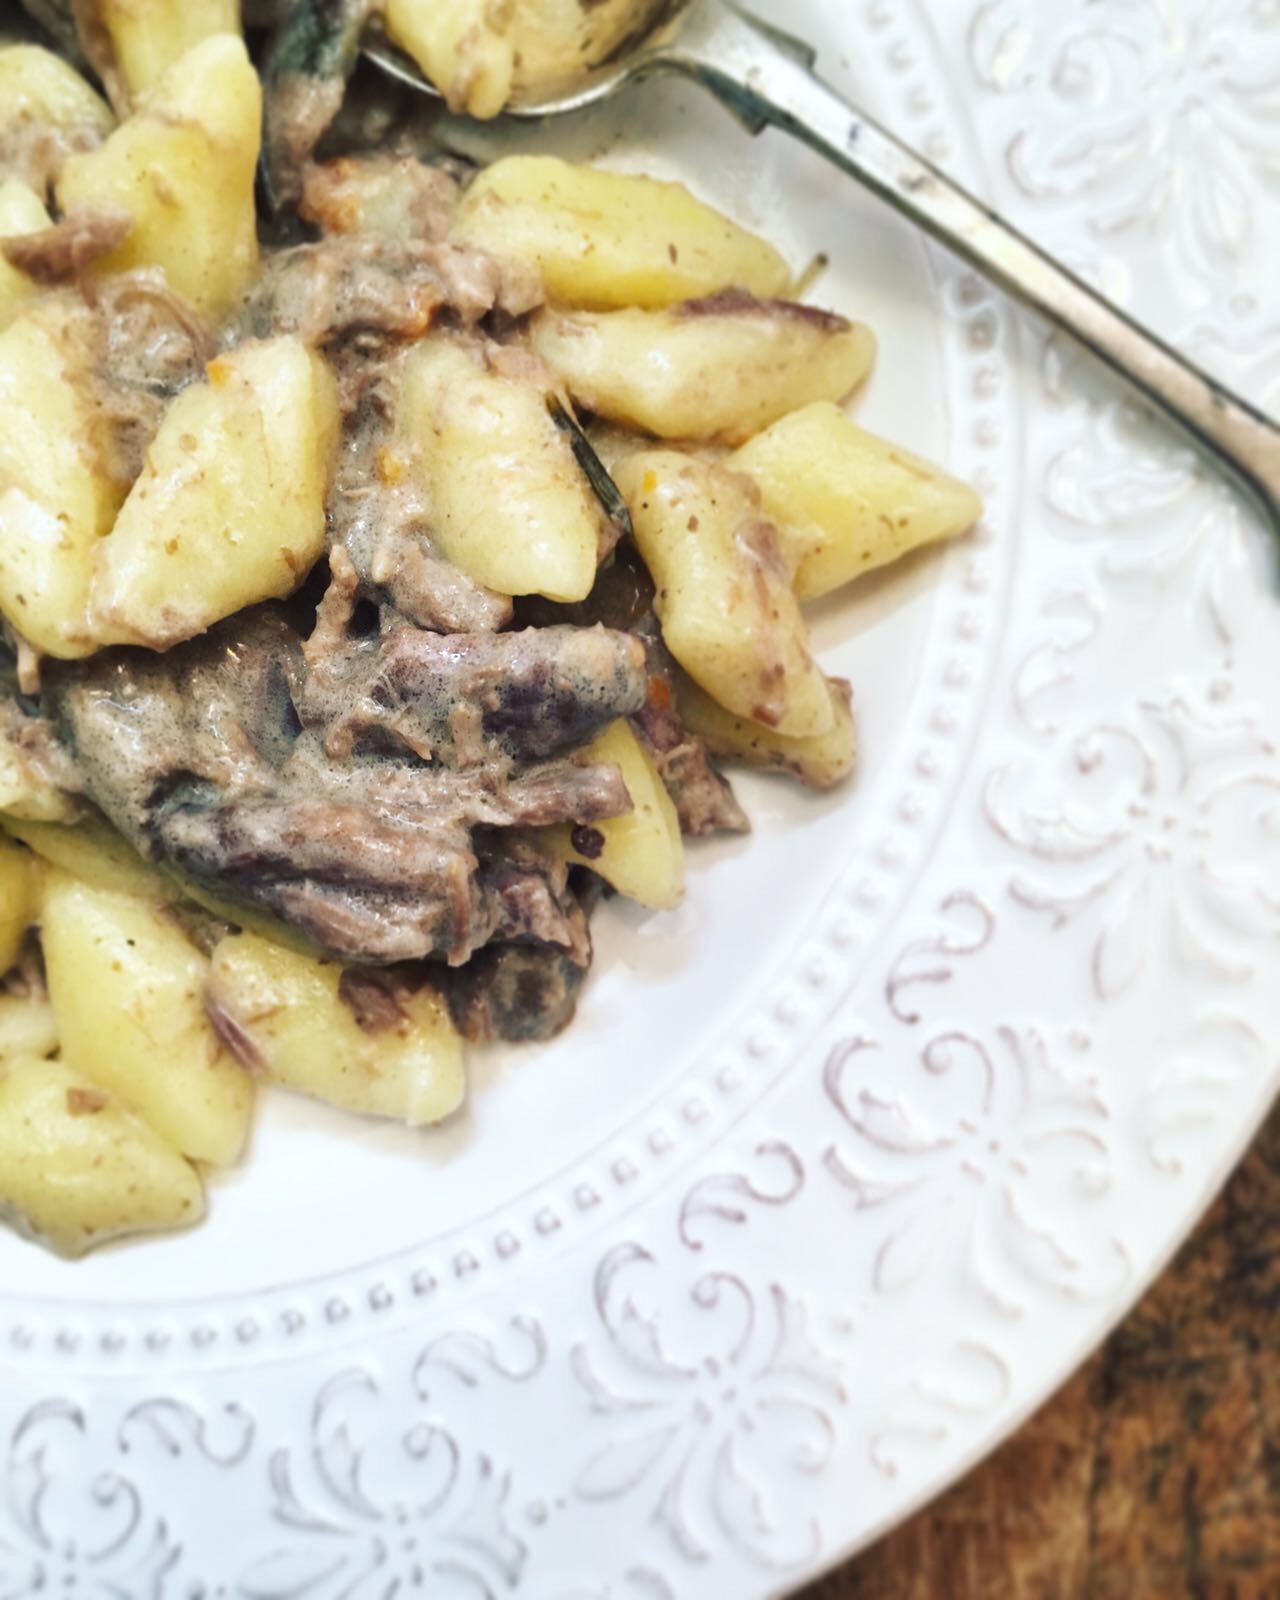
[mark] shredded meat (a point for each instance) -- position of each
(525, 992)
(32, 741)
(703, 799)
(236, 761)
(395, 196)
(299, 112)
(233, 1035)
(380, 519)
(148, 345)
(422, 585)
(65, 252)
(459, 698)
(354, 283)
(623, 599)
(532, 895)
(371, 998)
(324, 292)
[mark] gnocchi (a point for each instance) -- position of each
(311, 1027)
(182, 166)
(477, 54)
(821, 760)
(724, 591)
(26, 1027)
(146, 39)
(845, 501)
(641, 853)
(18, 900)
(458, 48)
(21, 212)
(95, 854)
(605, 239)
(57, 497)
(510, 505)
(463, 677)
(128, 995)
(719, 369)
(229, 509)
(78, 1167)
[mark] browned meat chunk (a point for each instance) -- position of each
(360, 283)
(459, 698)
(202, 759)
(623, 598)
(395, 196)
(524, 992)
(327, 291)
(64, 252)
(701, 794)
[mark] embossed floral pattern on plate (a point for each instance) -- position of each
(978, 1101)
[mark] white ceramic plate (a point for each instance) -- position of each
(848, 1163)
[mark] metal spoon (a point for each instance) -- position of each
(767, 79)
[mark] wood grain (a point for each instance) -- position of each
(1155, 1474)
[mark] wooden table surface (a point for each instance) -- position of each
(1155, 1474)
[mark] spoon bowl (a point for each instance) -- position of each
(641, 50)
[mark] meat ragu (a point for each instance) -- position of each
(369, 772)
(473, 510)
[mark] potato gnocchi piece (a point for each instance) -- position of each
(605, 239)
(56, 495)
(229, 509)
(471, 61)
(77, 1167)
(146, 37)
(19, 899)
(640, 853)
(509, 503)
(477, 53)
(26, 1027)
(288, 1012)
(127, 989)
(95, 854)
(556, 39)
(719, 369)
(183, 167)
(46, 107)
(846, 501)
(724, 591)
(822, 760)
(21, 212)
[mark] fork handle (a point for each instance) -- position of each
(766, 78)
